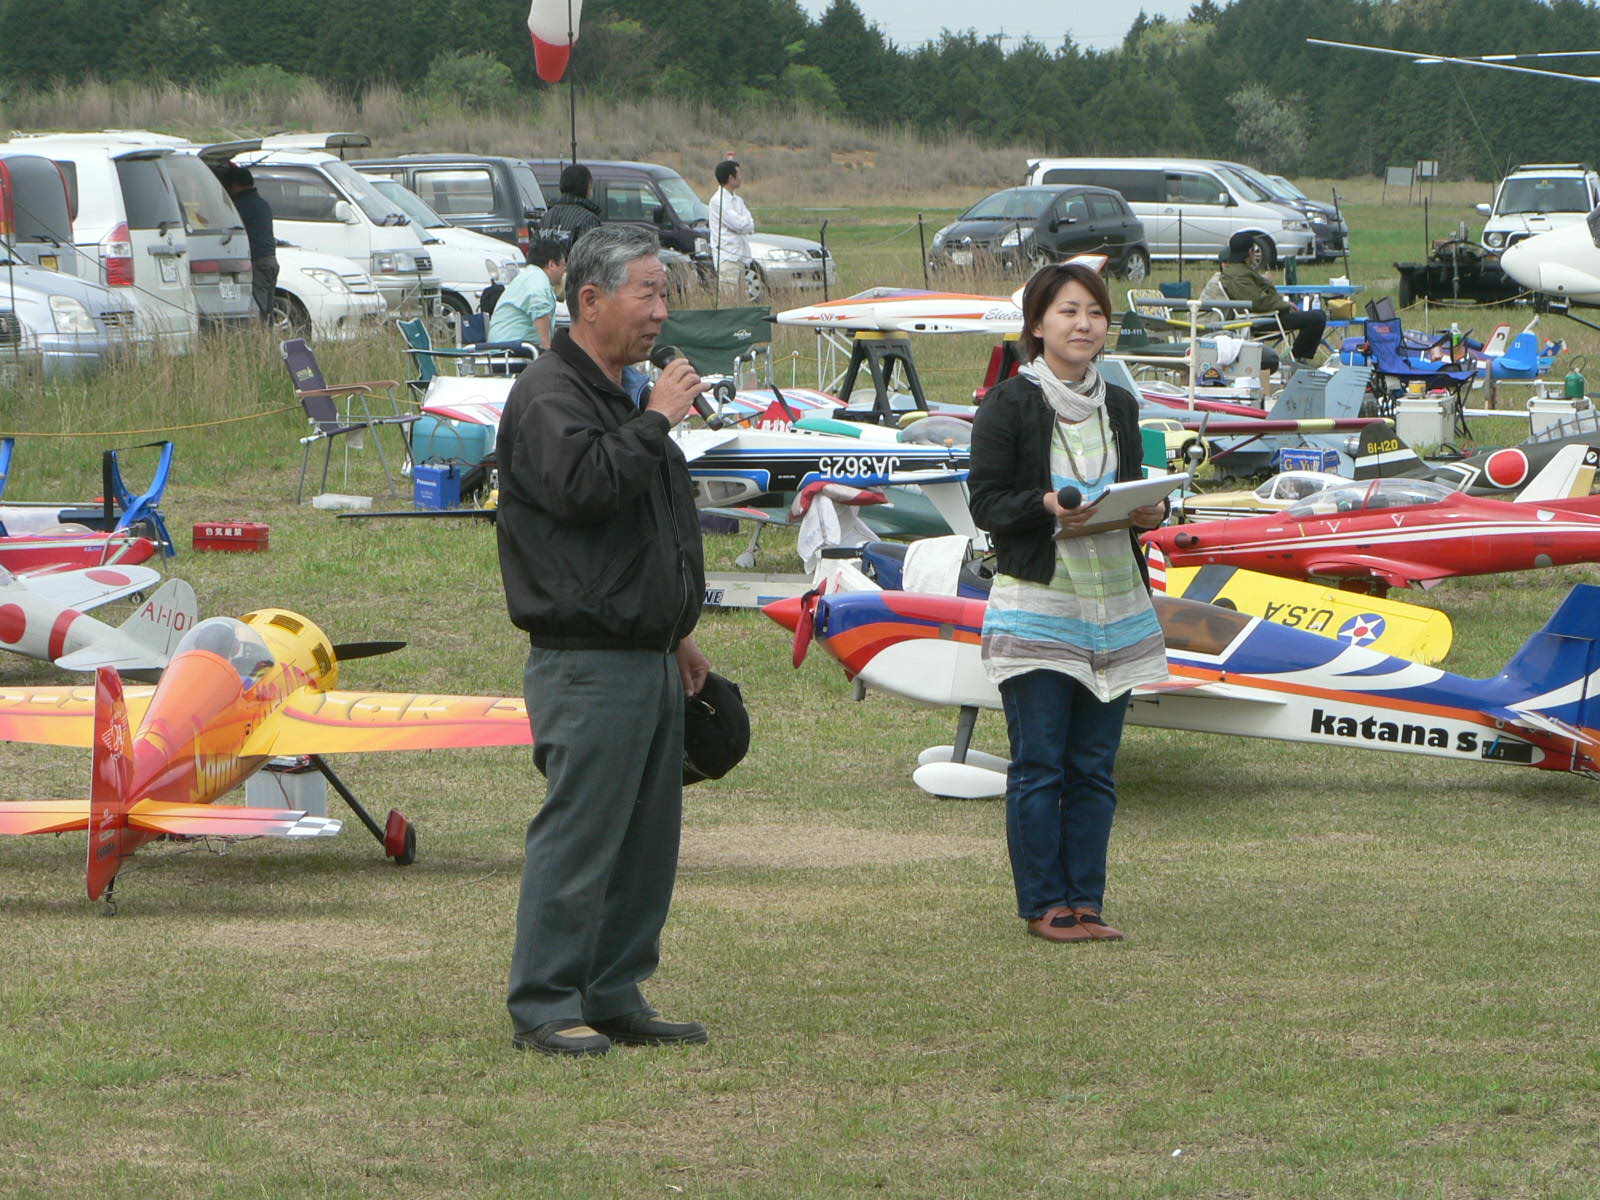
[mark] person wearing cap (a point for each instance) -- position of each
(1241, 280)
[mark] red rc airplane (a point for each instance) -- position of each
(237, 692)
(1388, 533)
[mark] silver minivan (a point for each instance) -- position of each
(1190, 207)
(128, 228)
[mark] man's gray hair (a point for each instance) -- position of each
(602, 256)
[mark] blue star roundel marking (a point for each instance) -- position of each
(1362, 630)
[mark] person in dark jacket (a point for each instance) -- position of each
(256, 215)
(1242, 280)
(603, 568)
(1069, 629)
(574, 214)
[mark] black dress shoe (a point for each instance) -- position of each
(567, 1037)
(646, 1028)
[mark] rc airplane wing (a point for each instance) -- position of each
(84, 589)
(313, 722)
(59, 716)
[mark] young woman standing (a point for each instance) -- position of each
(1070, 629)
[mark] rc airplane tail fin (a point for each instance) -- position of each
(150, 635)
(1380, 454)
(1557, 671)
(1570, 473)
(110, 839)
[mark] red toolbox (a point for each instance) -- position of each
(230, 535)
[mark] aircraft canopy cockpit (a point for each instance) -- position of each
(1366, 497)
(937, 431)
(234, 641)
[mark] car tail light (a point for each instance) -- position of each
(524, 240)
(116, 256)
(204, 266)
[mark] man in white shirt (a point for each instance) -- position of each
(731, 227)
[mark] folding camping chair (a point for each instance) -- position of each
(1391, 366)
(722, 341)
(468, 359)
(317, 398)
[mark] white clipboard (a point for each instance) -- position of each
(1116, 504)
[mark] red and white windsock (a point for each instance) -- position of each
(553, 25)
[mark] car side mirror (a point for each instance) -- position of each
(1226, 200)
(343, 213)
(659, 216)
(1055, 224)
(1483, 209)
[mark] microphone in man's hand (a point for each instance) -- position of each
(1069, 497)
(660, 356)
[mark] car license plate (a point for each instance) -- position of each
(49, 262)
(230, 289)
(961, 258)
(169, 270)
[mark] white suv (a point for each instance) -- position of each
(1536, 198)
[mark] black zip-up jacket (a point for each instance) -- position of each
(570, 217)
(1010, 473)
(599, 538)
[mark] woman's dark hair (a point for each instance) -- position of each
(1041, 293)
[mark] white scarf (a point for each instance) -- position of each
(1072, 401)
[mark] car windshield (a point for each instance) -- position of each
(408, 202)
(1365, 497)
(232, 640)
(1014, 204)
(1288, 187)
(1535, 194)
(378, 207)
(684, 202)
(1251, 186)
(528, 186)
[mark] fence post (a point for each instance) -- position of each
(923, 244)
(822, 236)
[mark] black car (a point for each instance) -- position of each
(1025, 227)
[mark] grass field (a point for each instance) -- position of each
(1348, 974)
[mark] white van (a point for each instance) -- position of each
(322, 204)
(129, 229)
(466, 261)
(1190, 207)
(1536, 198)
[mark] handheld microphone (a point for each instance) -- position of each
(660, 356)
(1069, 497)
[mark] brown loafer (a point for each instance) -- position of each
(1098, 930)
(1059, 925)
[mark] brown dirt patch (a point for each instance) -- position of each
(819, 846)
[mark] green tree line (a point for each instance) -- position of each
(1232, 80)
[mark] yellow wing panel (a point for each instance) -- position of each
(59, 716)
(349, 722)
(1388, 626)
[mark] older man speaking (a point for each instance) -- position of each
(603, 568)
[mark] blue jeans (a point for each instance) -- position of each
(1060, 794)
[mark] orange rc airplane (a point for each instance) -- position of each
(236, 693)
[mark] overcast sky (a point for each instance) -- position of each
(1093, 24)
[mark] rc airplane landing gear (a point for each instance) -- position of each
(397, 836)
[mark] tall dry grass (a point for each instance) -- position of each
(791, 156)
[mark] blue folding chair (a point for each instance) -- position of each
(1385, 342)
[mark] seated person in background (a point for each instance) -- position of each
(1241, 280)
(527, 307)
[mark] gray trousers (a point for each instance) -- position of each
(602, 853)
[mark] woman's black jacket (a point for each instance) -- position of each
(1010, 473)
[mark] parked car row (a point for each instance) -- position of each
(158, 251)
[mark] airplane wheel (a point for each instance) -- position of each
(400, 840)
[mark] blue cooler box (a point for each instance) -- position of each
(436, 487)
(435, 439)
